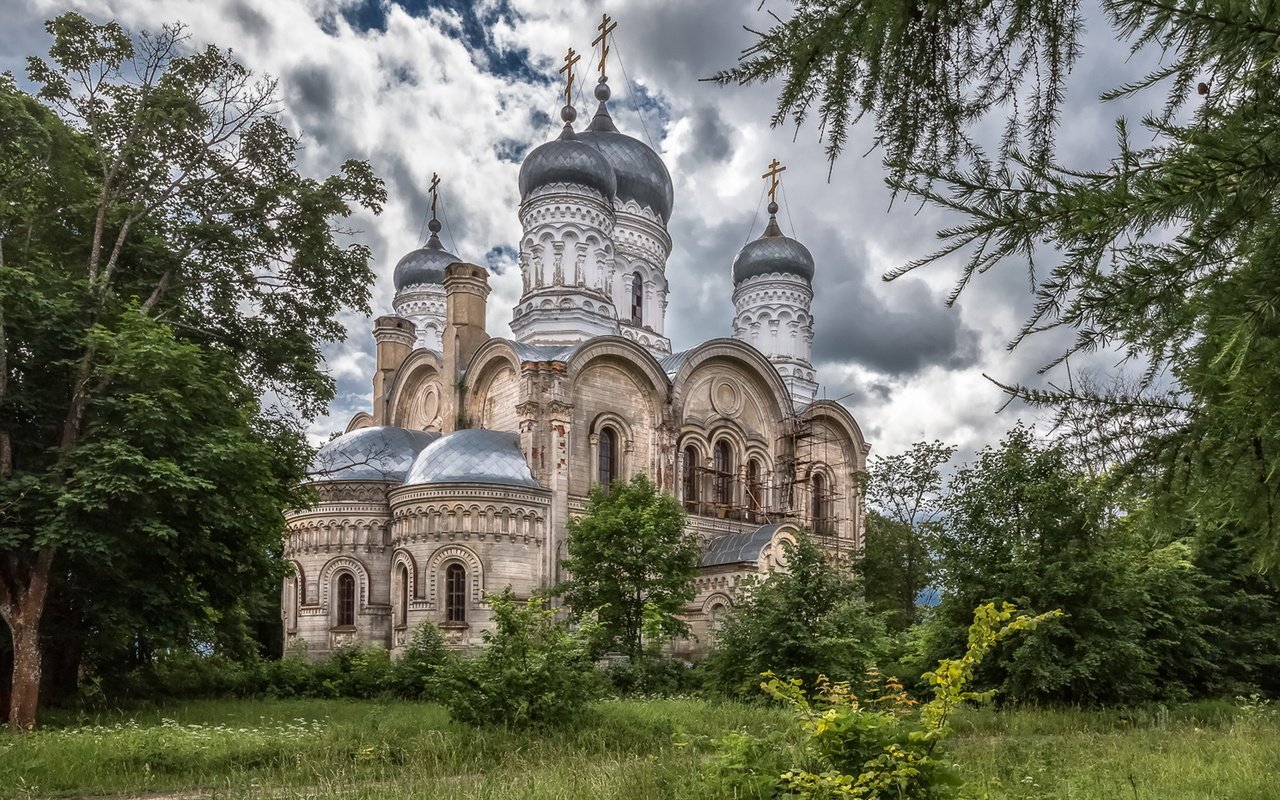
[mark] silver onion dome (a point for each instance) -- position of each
(473, 456)
(382, 453)
(426, 264)
(642, 176)
(567, 160)
(772, 253)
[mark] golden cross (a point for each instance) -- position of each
(775, 169)
(570, 58)
(605, 27)
(435, 191)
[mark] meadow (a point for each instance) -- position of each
(625, 749)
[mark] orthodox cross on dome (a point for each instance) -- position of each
(435, 192)
(570, 58)
(775, 169)
(605, 27)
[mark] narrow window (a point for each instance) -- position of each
(755, 491)
(821, 507)
(689, 477)
(404, 595)
(637, 300)
(346, 599)
(608, 457)
(455, 593)
(724, 472)
(291, 604)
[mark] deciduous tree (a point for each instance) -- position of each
(632, 563)
(163, 266)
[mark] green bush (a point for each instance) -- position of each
(532, 672)
(806, 622)
(653, 676)
(416, 674)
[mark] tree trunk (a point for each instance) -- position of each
(23, 607)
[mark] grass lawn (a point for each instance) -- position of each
(315, 748)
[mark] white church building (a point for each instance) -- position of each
(478, 451)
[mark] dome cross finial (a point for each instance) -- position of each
(605, 27)
(775, 169)
(435, 193)
(570, 58)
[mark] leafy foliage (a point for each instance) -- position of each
(533, 672)
(163, 266)
(632, 565)
(878, 745)
(808, 621)
(1023, 524)
(1166, 253)
(904, 492)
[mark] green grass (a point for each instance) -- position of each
(314, 748)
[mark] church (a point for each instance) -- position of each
(478, 450)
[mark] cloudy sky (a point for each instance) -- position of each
(465, 89)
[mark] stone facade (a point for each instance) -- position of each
(478, 451)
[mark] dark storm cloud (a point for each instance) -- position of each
(250, 19)
(710, 135)
(312, 91)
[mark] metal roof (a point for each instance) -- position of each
(382, 453)
(737, 548)
(473, 456)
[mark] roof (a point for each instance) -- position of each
(473, 456)
(671, 364)
(736, 548)
(543, 352)
(382, 453)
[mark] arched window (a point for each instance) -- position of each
(455, 593)
(637, 300)
(403, 580)
(723, 461)
(716, 621)
(755, 491)
(346, 599)
(821, 504)
(689, 477)
(607, 458)
(291, 604)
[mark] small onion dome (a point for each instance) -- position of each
(473, 456)
(370, 454)
(567, 160)
(642, 176)
(426, 264)
(772, 253)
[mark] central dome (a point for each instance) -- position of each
(642, 176)
(567, 160)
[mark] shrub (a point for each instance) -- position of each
(652, 676)
(879, 744)
(532, 672)
(806, 622)
(416, 674)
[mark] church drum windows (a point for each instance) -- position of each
(455, 594)
(607, 457)
(346, 610)
(637, 300)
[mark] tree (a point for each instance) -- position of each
(897, 560)
(1166, 254)
(632, 563)
(808, 621)
(163, 266)
(1024, 525)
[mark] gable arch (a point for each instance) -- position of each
(626, 353)
(746, 356)
(419, 372)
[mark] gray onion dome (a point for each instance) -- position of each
(772, 253)
(642, 176)
(473, 456)
(567, 160)
(381, 453)
(426, 264)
